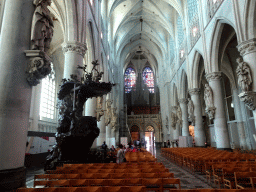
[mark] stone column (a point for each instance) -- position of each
(184, 108)
(247, 50)
(220, 121)
(239, 118)
(15, 92)
(199, 130)
(74, 54)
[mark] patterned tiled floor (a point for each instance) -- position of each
(187, 179)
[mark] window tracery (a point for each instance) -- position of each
(180, 30)
(148, 78)
(129, 79)
(213, 5)
(192, 9)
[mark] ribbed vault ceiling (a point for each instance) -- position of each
(148, 24)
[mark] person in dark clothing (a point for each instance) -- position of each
(104, 146)
(168, 144)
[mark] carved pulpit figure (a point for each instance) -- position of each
(243, 72)
(114, 118)
(108, 112)
(99, 110)
(42, 26)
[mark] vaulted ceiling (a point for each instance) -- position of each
(147, 25)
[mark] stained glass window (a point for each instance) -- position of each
(148, 78)
(129, 79)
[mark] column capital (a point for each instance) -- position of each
(73, 46)
(247, 47)
(195, 91)
(183, 100)
(213, 76)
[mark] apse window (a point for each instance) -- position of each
(129, 79)
(148, 78)
(47, 103)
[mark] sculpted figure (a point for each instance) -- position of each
(42, 26)
(244, 75)
(173, 119)
(114, 118)
(108, 112)
(190, 109)
(208, 96)
(179, 113)
(99, 102)
(99, 110)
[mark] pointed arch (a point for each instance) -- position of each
(215, 42)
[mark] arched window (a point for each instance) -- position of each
(47, 102)
(129, 79)
(148, 78)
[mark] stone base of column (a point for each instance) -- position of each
(12, 179)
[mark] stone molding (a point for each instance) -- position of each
(195, 91)
(247, 47)
(214, 76)
(77, 47)
(39, 66)
(183, 101)
(174, 108)
(249, 98)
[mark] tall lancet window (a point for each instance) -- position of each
(47, 102)
(129, 79)
(148, 78)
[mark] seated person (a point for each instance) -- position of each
(112, 148)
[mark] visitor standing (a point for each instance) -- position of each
(120, 154)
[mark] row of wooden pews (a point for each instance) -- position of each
(224, 169)
(108, 177)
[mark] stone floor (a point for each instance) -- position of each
(188, 180)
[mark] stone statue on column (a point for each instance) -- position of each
(108, 112)
(243, 72)
(179, 115)
(173, 120)
(191, 116)
(114, 118)
(167, 125)
(42, 26)
(208, 98)
(99, 110)
(41, 35)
